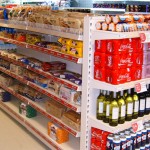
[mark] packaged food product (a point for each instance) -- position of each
(100, 59)
(54, 108)
(18, 70)
(20, 37)
(122, 18)
(34, 63)
(33, 38)
(72, 119)
(58, 134)
(55, 65)
(6, 80)
(29, 75)
(54, 86)
(42, 81)
(70, 95)
(27, 110)
(5, 64)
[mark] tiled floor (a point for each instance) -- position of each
(15, 137)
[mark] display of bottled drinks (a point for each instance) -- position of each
(124, 140)
(128, 8)
(120, 61)
(129, 140)
(116, 108)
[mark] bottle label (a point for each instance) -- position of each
(148, 103)
(107, 110)
(142, 104)
(115, 113)
(136, 106)
(129, 108)
(123, 111)
(101, 107)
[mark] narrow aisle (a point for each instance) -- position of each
(13, 136)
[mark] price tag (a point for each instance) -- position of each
(140, 87)
(137, 126)
(145, 37)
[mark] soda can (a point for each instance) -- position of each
(116, 143)
(128, 137)
(123, 142)
(142, 148)
(144, 133)
(133, 140)
(121, 133)
(147, 147)
(138, 139)
(109, 145)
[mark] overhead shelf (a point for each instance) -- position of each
(106, 86)
(45, 74)
(75, 34)
(106, 35)
(43, 90)
(40, 107)
(93, 122)
(52, 52)
(38, 127)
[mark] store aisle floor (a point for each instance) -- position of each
(13, 136)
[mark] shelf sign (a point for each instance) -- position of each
(137, 126)
(145, 37)
(140, 87)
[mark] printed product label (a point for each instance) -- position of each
(130, 108)
(148, 102)
(107, 110)
(101, 107)
(123, 111)
(115, 113)
(142, 104)
(136, 106)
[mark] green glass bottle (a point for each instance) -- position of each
(135, 104)
(114, 111)
(107, 107)
(100, 105)
(129, 106)
(122, 109)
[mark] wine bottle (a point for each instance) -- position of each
(129, 106)
(114, 111)
(100, 105)
(135, 104)
(142, 100)
(122, 109)
(107, 107)
(147, 104)
(125, 94)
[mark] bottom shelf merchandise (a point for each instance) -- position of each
(38, 126)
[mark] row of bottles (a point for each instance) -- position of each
(116, 108)
(129, 140)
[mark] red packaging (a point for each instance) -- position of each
(103, 147)
(98, 145)
(93, 144)
(99, 59)
(136, 44)
(99, 73)
(136, 73)
(116, 46)
(100, 46)
(115, 61)
(118, 76)
(94, 132)
(104, 137)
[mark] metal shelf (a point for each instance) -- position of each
(45, 74)
(40, 28)
(40, 107)
(38, 127)
(106, 86)
(43, 91)
(93, 122)
(52, 52)
(105, 35)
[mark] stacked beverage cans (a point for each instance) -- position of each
(129, 140)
